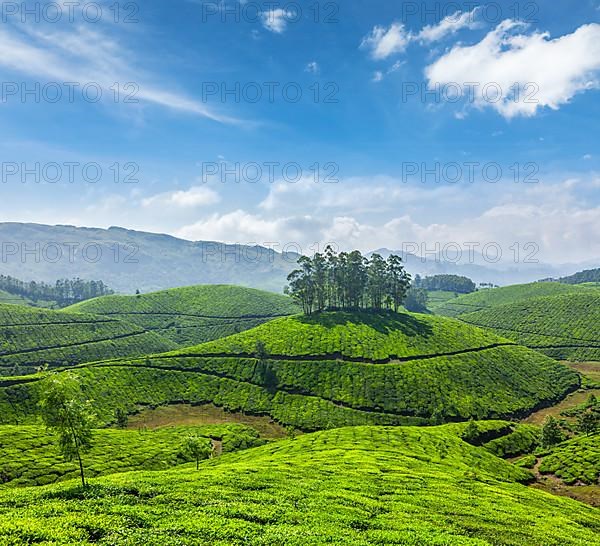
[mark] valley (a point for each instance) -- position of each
(359, 426)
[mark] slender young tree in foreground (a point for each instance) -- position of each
(67, 413)
(196, 447)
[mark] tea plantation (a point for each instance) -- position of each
(326, 371)
(32, 338)
(355, 486)
(518, 293)
(28, 455)
(191, 315)
(573, 461)
(563, 327)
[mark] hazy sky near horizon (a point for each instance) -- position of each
(364, 123)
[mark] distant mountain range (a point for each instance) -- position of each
(130, 260)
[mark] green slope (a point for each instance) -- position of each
(437, 298)
(29, 455)
(563, 327)
(355, 486)
(487, 298)
(192, 315)
(30, 338)
(573, 461)
(330, 370)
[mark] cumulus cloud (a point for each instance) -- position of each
(383, 42)
(548, 72)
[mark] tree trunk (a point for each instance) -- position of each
(81, 470)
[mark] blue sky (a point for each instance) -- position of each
(361, 122)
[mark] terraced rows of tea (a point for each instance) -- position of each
(191, 315)
(32, 338)
(519, 293)
(357, 486)
(564, 327)
(574, 461)
(28, 455)
(330, 370)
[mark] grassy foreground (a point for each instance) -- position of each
(29, 456)
(354, 486)
(193, 314)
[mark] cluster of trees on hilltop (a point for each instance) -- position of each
(348, 281)
(64, 292)
(590, 275)
(450, 283)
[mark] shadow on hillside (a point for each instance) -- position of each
(381, 321)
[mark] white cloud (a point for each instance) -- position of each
(587, 157)
(550, 72)
(377, 76)
(450, 25)
(276, 20)
(312, 67)
(85, 56)
(197, 196)
(383, 42)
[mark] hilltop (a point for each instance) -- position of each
(330, 369)
(31, 338)
(562, 326)
(483, 299)
(356, 486)
(191, 315)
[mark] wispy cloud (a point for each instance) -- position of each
(450, 25)
(82, 55)
(383, 42)
(276, 20)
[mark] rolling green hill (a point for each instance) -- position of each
(5, 297)
(31, 338)
(576, 460)
(437, 298)
(329, 370)
(357, 486)
(563, 326)
(484, 299)
(29, 455)
(195, 314)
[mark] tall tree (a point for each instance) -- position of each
(67, 413)
(399, 280)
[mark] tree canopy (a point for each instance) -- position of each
(450, 283)
(348, 281)
(64, 292)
